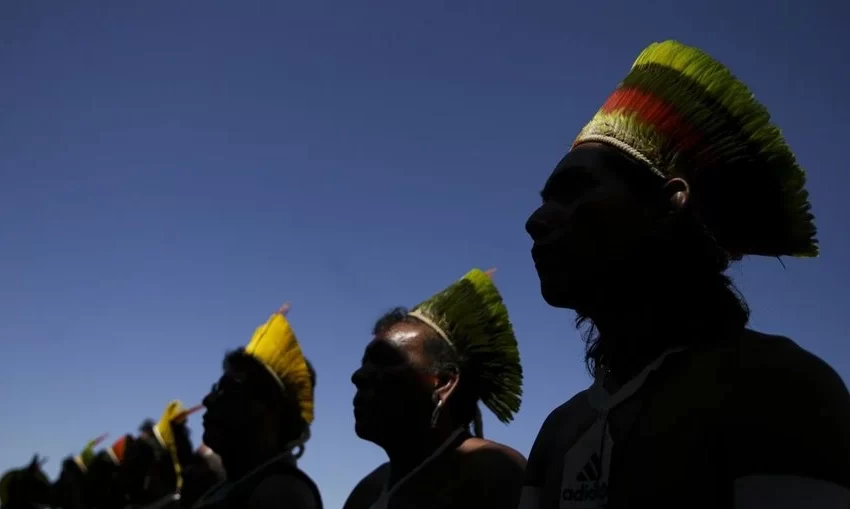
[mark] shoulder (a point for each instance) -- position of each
(492, 459)
(368, 489)
(560, 429)
(776, 369)
(483, 473)
(298, 491)
(790, 414)
(577, 407)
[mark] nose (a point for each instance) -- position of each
(357, 377)
(209, 399)
(537, 225)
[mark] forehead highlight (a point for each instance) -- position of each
(402, 342)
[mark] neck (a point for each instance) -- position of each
(240, 464)
(631, 331)
(413, 451)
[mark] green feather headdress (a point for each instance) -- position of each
(683, 114)
(87, 456)
(471, 316)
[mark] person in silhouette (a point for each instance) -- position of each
(258, 420)
(678, 174)
(102, 483)
(26, 488)
(418, 389)
(152, 468)
(70, 491)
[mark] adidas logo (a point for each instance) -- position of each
(591, 470)
(589, 489)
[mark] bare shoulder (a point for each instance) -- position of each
(367, 491)
(488, 474)
(493, 455)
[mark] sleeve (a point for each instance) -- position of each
(791, 429)
(538, 462)
(534, 471)
(279, 491)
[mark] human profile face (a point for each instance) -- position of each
(596, 209)
(395, 389)
(235, 414)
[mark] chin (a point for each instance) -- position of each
(559, 292)
(363, 431)
(211, 440)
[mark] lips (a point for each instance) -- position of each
(541, 255)
(208, 419)
(361, 405)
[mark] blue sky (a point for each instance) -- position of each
(170, 172)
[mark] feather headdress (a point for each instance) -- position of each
(274, 344)
(683, 114)
(470, 315)
(116, 450)
(87, 455)
(174, 413)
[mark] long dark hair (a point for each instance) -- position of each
(681, 272)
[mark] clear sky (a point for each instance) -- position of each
(171, 172)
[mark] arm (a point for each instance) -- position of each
(791, 429)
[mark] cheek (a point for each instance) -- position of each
(606, 227)
(398, 400)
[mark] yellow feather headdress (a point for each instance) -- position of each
(174, 412)
(274, 344)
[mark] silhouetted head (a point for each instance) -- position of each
(102, 483)
(406, 371)
(248, 413)
(147, 473)
(26, 487)
(612, 235)
(607, 224)
(69, 488)
(146, 428)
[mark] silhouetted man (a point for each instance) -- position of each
(258, 413)
(418, 389)
(679, 173)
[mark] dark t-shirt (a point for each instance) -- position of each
(756, 422)
(278, 484)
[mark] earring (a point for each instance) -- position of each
(435, 415)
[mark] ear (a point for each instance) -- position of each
(445, 388)
(34, 464)
(679, 192)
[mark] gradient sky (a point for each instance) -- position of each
(171, 172)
